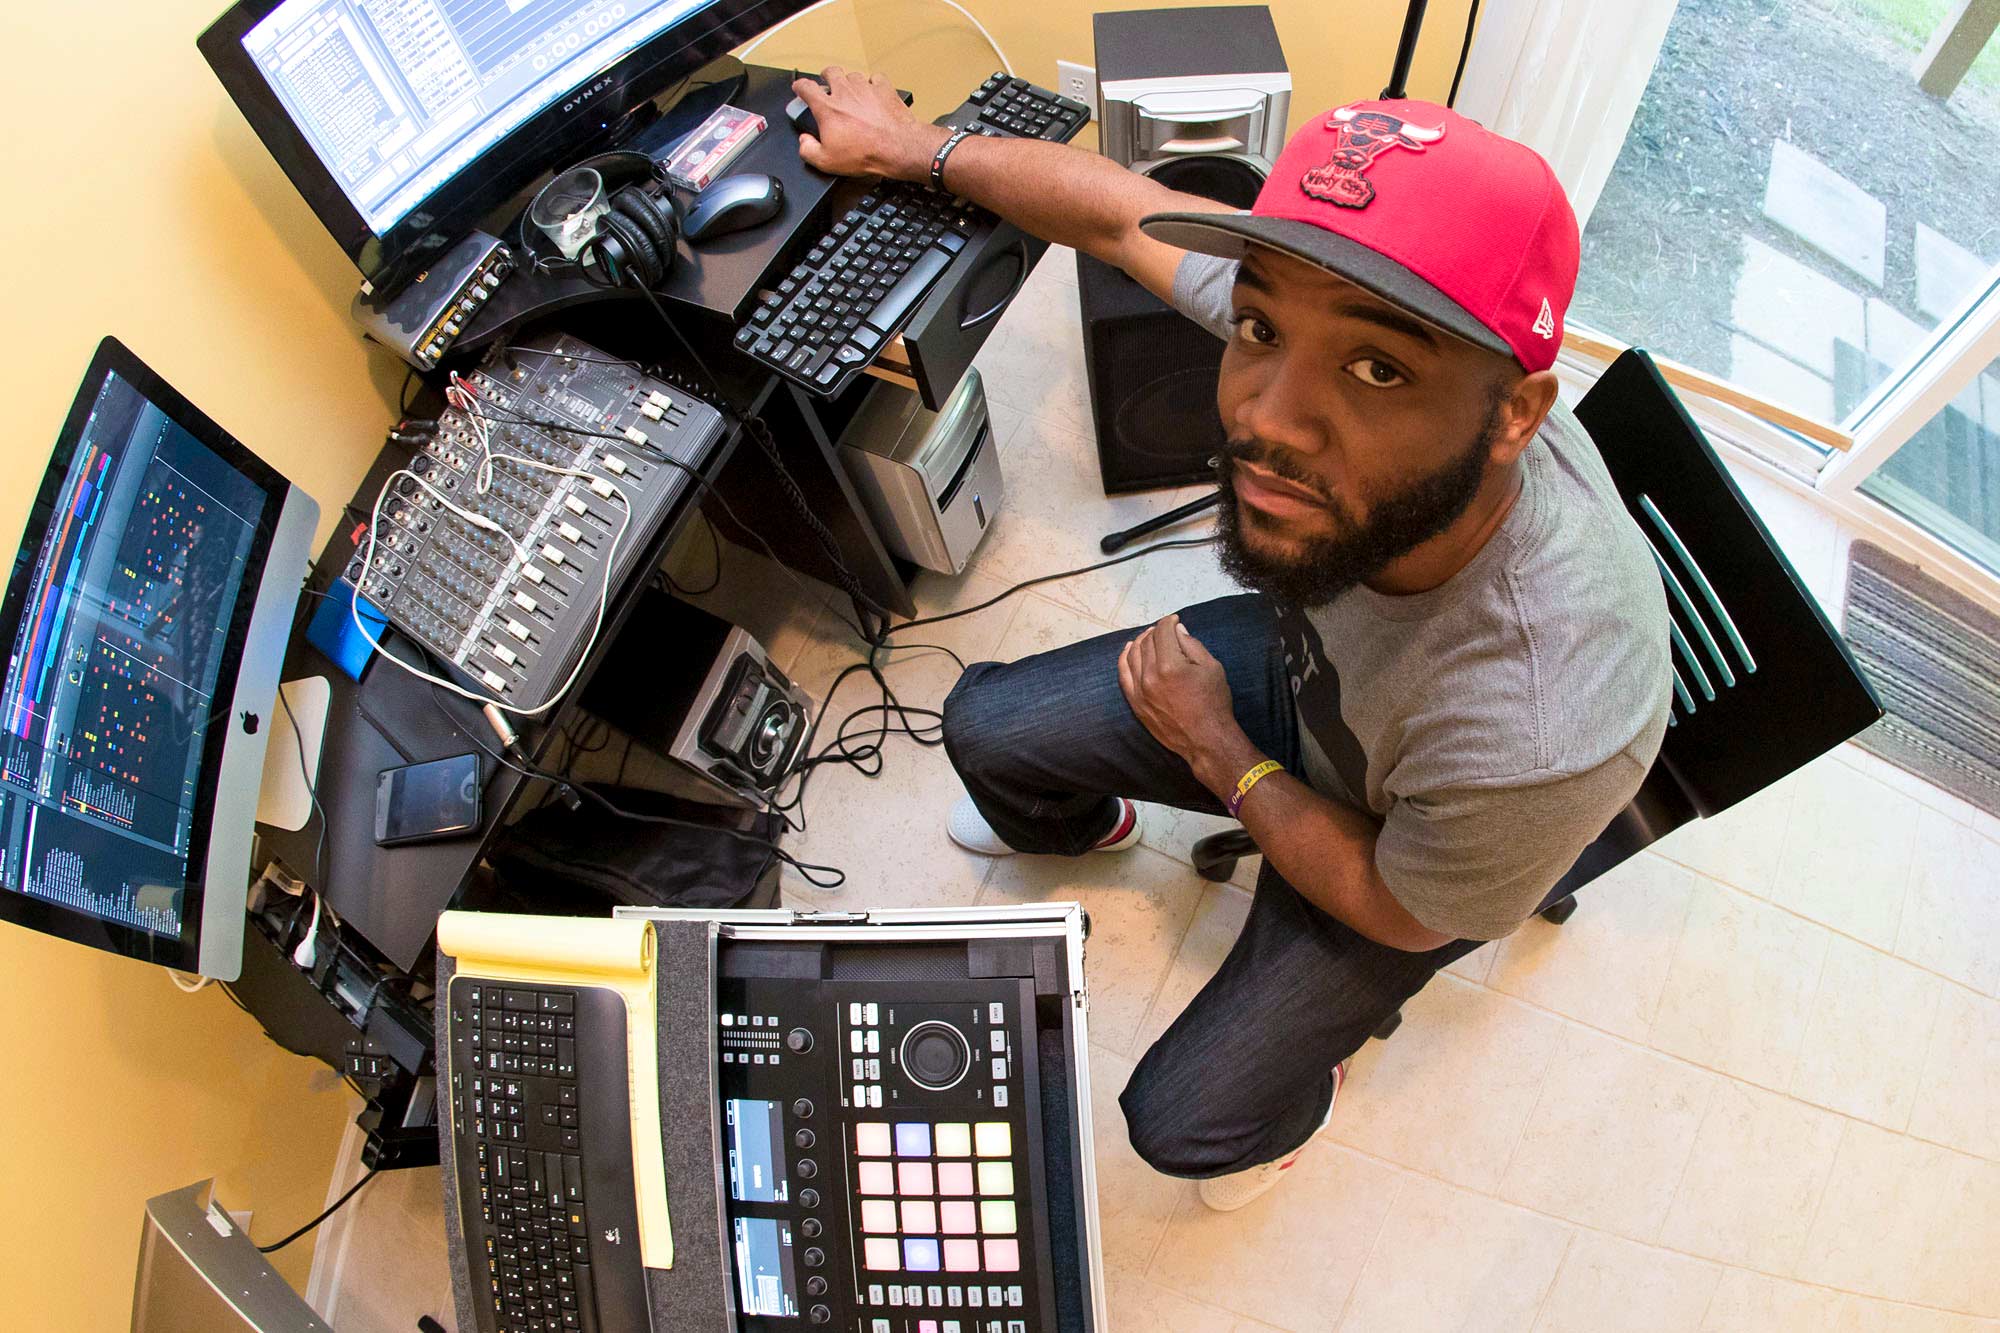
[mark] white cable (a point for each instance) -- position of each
(180, 985)
(481, 521)
(307, 954)
(477, 520)
(970, 17)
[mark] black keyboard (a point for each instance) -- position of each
(543, 1154)
(1006, 106)
(828, 317)
(857, 286)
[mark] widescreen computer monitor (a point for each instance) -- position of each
(403, 123)
(145, 625)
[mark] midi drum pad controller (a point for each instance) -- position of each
(514, 605)
(879, 1143)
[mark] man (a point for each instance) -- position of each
(1452, 670)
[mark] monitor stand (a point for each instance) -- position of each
(285, 799)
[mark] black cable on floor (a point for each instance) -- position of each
(331, 1209)
(997, 598)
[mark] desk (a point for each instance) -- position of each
(391, 897)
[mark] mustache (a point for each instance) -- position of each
(1273, 459)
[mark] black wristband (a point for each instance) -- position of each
(943, 152)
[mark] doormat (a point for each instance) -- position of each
(1933, 657)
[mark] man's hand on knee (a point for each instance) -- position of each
(864, 128)
(1179, 693)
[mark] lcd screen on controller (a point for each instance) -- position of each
(764, 1270)
(756, 1159)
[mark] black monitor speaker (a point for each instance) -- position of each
(1197, 99)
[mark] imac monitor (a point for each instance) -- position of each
(145, 625)
(403, 122)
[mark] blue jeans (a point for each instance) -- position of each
(1244, 1075)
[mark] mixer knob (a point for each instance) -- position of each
(805, 1138)
(802, 1108)
(808, 1198)
(819, 1314)
(798, 1041)
(815, 1256)
(808, 1168)
(810, 1228)
(815, 1285)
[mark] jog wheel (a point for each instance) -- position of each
(935, 1055)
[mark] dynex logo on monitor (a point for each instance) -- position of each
(586, 94)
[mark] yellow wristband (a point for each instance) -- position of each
(1249, 780)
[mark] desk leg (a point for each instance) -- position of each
(752, 487)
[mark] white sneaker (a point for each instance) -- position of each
(1225, 1194)
(969, 829)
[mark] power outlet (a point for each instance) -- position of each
(1078, 82)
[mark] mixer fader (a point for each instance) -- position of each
(537, 493)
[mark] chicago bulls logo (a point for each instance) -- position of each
(1360, 136)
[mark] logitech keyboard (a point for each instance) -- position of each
(858, 284)
(543, 1153)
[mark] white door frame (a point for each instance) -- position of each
(1765, 449)
(1963, 346)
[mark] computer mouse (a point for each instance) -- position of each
(802, 119)
(732, 204)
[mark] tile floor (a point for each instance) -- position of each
(1752, 1086)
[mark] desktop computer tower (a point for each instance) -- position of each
(1197, 99)
(703, 694)
(930, 480)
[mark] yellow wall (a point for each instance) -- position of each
(1337, 53)
(135, 201)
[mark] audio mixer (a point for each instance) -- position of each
(879, 1143)
(499, 546)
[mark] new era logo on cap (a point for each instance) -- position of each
(1431, 211)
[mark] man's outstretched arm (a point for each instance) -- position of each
(1064, 195)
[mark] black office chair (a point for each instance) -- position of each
(1763, 684)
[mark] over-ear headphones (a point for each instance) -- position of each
(636, 239)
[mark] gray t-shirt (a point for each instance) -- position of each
(1495, 724)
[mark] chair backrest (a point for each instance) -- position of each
(1762, 682)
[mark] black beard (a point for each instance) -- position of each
(1325, 567)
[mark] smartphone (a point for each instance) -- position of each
(421, 802)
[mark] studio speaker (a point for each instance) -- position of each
(1196, 99)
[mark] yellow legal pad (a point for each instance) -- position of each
(615, 955)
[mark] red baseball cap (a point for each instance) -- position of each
(1467, 230)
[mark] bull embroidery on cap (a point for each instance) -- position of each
(1361, 136)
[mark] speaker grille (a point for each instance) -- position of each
(1152, 372)
(1169, 422)
(1227, 180)
(1152, 388)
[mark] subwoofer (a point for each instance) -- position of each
(1197, 99)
